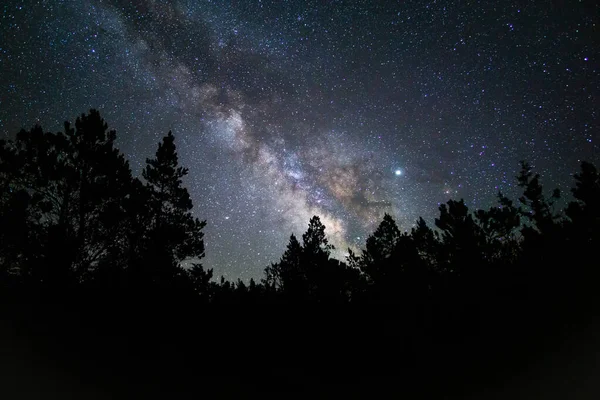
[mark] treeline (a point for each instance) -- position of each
(72, 215)
(91, 259)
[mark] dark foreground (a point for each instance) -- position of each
(57, 349)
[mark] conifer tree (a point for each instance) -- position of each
(72, 186)
(584, 212)
(288, 275)
(379, 248)
(172, 234)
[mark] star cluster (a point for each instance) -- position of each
(343, 109)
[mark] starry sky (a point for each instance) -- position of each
(343, 109)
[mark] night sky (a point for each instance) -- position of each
(344, 109)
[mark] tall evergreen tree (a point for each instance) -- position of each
(314, 240)
(427, 243)
(172, 234)
(584, 212)
(305, 270)
(315, 255)
(461, 239)
(288, 274)
(101, 181)
(583, 231)
(375, 260)
(498, 227)
(73, 184)
(538, 207)
(201, 281)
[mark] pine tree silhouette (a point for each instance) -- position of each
(289, 274)
(73, 181)
(584, 212)
(171, 233)
(375, 259)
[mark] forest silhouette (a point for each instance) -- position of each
(93, 279)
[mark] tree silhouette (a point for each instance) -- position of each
(71, 211)
(314, 240)
(426, 242)
(201, 281)
(101, 178)
(315, 257)
(461, 239)
(81, 240)
(539, 207)
(306, 272)
(393, 265)
(379, 248)
(583, 233)
(289, 275)
(170, 233)
(70, 182)
(543, 236)
(498, 225)
(584, 212)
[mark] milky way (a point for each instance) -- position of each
(287, 109)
